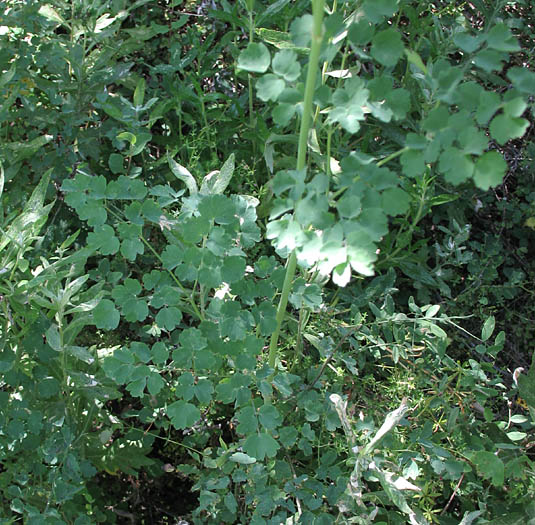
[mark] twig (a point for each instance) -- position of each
(453, 495)
(123, 514)
(329, 358)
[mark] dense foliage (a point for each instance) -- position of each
(267, 262)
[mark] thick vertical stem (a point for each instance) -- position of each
(250, 78)
(281, 310)
(313, 66)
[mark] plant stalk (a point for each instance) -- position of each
(313, 66)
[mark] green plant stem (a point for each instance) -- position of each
(281, 310)
(391, 157)
(313, 65)
(304, 316)
(250, 78)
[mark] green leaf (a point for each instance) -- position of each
(160, 353)
(51, 14)
(53, 338)
(377, 10)
(139, 93)
(282, 114)
(233, 269)
(203, 391)
(6, 77)
(432, 311)
(395, 201)
(132, 307)
(292, 180)
(415, 59)
(126, 188)
(489, 170)
(279, 39)
(25, 150)
(48, 387)
(523, 79)
(118, 366)
(490, 466)
(183, 415)
(184, 388)
(261, 445)
(448, 80)
(391, 420)
(467, 42)
(142, 352)
(151, 210)
(349, 205)
(155, 383)
(288, 436)
(130, 248)
(269, 417)
(265, 315)
(387, 47)
(169, 318)
(243, 459)
(349, 103)
(165, 295)
(361, 252)
(361, 32)
(103, 239)
(515, 107)
(413, 163)
(269, 87)
(456, 166)
(104, 21)
(519, 419)
(31, 219)
(81, 353)
(516, 436)
(501, 39)
(137, 386)
(301, 30)
(341, 274)
(526, 385)
(181, 173)
(255, 58)
(488, 328)
(142, 139)
(116, 163)
(285, 65)
(489, 60)
(504, 128)
(93, 212)
(129, 137)
(218, 181)
(472, 141)
(247, 421)
(172, 256)
(489, 103)
(436, 120)
(106, 316)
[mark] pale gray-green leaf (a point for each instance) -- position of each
(217, 181)
(181, 173)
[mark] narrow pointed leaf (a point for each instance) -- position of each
(181, 173)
